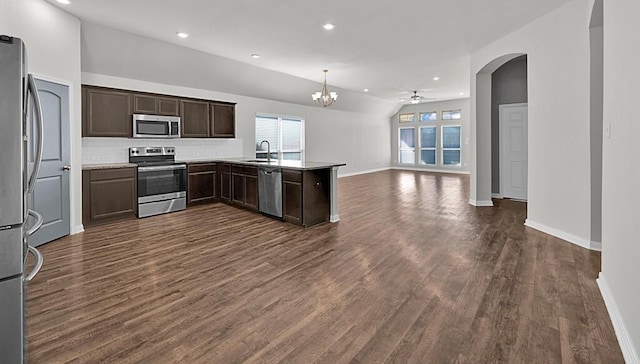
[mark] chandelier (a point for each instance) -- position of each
(324, 98)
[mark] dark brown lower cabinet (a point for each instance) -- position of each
(244, 186)
(251, 191)
(316, 205)
(224, 170)
(108, 195)
(202, 183)
(306, 196)
(292, 196)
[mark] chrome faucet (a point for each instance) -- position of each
(268, 150)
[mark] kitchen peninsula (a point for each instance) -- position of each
(306, 192)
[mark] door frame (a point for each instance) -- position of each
(74, 172)
(501, 108)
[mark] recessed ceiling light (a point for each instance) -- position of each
(366, 90)
(182, 34)
(66, 2)
(436, 78)
(255, 56)
(328, 26)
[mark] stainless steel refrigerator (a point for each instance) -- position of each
(20, 154)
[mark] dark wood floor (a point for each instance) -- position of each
(411, 274)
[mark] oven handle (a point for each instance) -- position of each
(162, 168)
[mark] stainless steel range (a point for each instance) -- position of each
(162, 182)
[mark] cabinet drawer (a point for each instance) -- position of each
(251, 171)
(237, 169)
(108, 174)
(291, 175)
(201, 167)
(224, 167)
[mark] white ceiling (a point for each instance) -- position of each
(389, 47)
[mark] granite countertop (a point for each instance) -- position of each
(87, 167)
(246, 161)
(302, 165)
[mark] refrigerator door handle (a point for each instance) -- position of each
(37, 225)
(39, 261)
(33, 91)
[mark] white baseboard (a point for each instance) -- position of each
(564, 235)
(496, 195)
(624, 339)
(334, 218)
(479, 203)
(454, 171)
(77, 229)
(364, 172)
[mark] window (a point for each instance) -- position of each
(452, 115)
(428, 145)
(407, 142)
(285, 136)
(407, 118)
(428, 116)
(451, 137)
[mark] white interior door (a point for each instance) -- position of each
(513, 151)
(51, 195)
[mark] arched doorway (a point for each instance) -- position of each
(481, 170)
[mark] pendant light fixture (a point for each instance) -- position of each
(324, 97)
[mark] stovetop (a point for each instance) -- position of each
(153, 156)
(156, 163)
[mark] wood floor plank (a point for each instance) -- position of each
(411, 274)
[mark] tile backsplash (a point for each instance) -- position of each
(116, 150)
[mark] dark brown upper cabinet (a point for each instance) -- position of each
(223, 120)
(155, 105)
(106, 112)
(195, 119)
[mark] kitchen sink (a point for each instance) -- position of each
(257, 161)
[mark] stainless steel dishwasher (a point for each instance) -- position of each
(270, 191)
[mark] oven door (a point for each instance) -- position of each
(161, 182)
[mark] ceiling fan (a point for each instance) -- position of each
(416, 99)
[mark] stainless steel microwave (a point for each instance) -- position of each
(156, 126)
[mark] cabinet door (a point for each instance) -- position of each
(316, 206)
(224, 170)
(223, 120)
(195, 119)
(144, 104)
(202, 186)
(251, 192)
(225, 186)
(237, 188)
(292, 196)
(110, 195)
(106, 113)
(168, 106)
(292, 202)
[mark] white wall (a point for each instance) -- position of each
(621, 170)
(557, 48)
(438, 106)
(52, 38)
